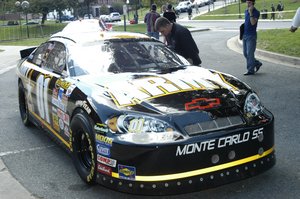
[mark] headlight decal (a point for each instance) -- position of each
(141, 124)
(141, 129)
(252, 105)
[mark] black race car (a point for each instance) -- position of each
(137, 118)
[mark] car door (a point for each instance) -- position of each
(49, 89)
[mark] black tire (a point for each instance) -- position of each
(23, 107)
(83, 147)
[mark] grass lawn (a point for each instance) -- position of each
(25, 42)
(280, 41)
(139, 28)
(232, 11)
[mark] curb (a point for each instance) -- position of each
(10, 187)
(236, 45)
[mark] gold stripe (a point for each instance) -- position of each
(226, 82)
(199, 171)
(52, 130)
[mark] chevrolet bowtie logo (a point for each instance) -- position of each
(202, 103)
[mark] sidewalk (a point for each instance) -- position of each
(10, 187)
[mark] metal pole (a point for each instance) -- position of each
(27, 25)
(240, 9)
(124, 23)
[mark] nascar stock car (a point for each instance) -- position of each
(138, 118)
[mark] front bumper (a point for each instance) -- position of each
(198, 163)
(191, 184)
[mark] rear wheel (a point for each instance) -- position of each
(83, 147)
(23, 107)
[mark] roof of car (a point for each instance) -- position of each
(82, 31)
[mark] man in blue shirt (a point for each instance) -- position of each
(250, 37)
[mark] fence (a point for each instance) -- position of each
(16, 30)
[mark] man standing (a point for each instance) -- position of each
(280, 8)
(150, 19)
(170, 14)
(273, 12)
(250, 37)
(190, 12)
(179, 39)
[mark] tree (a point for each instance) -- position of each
(46, 6)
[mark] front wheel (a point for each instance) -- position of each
(83, 148)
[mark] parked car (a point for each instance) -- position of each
(105, 18)
(138, 118)
(88, 16)
(67, 18)
(199, 3)
(114, 16)
(183, 6)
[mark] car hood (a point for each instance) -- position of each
(189, 89)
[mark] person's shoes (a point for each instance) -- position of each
(248, 73)
(257, 67)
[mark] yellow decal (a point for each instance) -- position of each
(126, 172)
(104, 139)
(63, 84)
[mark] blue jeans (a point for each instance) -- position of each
(249, 46)
(154, 34)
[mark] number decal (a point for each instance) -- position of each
(42, 97)
(136, 125)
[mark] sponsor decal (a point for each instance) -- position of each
(202, 103)
(219, 142)
(66, 131)
(65, 117)
(103, 139)
(84, 105)
(70, 90)
(55, 122)
(61, 124)
(102, 149)
(64, 99)
(55, 93)
(62, 84)
(104, 169)
(126, 172)
(101, 128)
(58, 103)
(107, 161)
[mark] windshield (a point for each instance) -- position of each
(122, 56)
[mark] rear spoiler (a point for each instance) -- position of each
(26, 52)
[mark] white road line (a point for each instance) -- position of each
(24, 150)
(6, 69)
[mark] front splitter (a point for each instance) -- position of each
(190, 184)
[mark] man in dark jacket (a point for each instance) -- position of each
(179, 39)
(170, 14)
